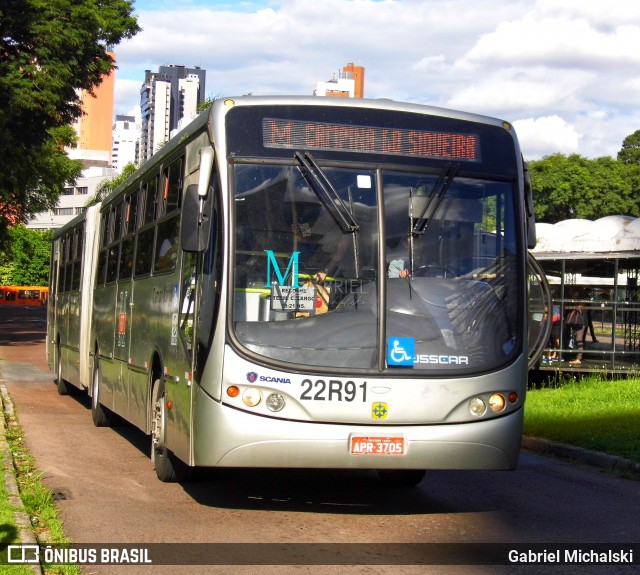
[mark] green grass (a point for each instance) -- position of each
(8, 532)
(38, 504)
(592, 412)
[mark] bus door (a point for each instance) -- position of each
(540, 302)
(52, 304)
(124, 296)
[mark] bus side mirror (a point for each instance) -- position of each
(196, 220)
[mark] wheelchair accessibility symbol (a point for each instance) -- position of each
(400, 350)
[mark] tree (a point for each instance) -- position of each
(49, 51)
(630, 152)
(106, 186)
(566, 187)
(25, 257)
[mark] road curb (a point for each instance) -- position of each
(595, 459)
(25, 529)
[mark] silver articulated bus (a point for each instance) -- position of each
(307, 282)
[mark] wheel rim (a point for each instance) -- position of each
(157, 424)
(94, 391)
(59, 367)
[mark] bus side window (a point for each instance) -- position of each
(149, 190)
(114, 249)
(77, 258)
(144, 252)
(128, 243)
(166, 245)
(126, 258)
(173, 195)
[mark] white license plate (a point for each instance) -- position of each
(377, 445)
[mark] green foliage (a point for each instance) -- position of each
(106, 186)
(49, 50)
(566, 187)
(37, 499)
(25, 255)
(630, 152)
(593, 412)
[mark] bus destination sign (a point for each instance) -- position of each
(295, 134)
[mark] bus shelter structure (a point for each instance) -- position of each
(593, 267)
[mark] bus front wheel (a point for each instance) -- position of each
(168, 467)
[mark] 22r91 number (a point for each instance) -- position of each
(333, 390)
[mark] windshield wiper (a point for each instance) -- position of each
(433, 203)
(319, 182)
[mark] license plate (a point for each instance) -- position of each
(377, 445)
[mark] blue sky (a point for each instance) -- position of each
(566, 73)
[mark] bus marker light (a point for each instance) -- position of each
(275, 402)
(477, 407)
(251, 397)
(233, 391)
(169, 404)
(497, 402)
(513, 397)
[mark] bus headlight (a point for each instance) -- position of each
(275, 402)
(251, 397)
(497, 402)
(477, 407)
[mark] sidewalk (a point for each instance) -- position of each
(595, 459)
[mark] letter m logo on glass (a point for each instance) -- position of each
(400, 351)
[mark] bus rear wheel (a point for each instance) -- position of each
(101, 416)
(64, 388)
(168, 467)
(401, 477)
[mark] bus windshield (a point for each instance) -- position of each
(317, 249)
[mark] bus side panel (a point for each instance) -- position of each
(141, 350)
(177, 383)
(90, 255)
(52, 318)
(72, 363)
(62, 333)
(104, 328)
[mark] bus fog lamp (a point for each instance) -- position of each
(497, 402)
(477, 406)
(275, 402)
(251, 397)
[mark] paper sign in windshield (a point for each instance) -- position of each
(286, 298)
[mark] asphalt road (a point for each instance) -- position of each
(107, 492)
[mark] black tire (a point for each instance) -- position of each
(169, 468)
(401, 477)
(64, 387)
(102, 417)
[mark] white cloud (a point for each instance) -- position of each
(550, 67)
(539, 135)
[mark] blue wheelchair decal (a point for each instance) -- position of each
(400, 351)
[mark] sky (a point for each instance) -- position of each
(566, 73)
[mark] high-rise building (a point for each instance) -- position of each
(125, 142)
(167, 97)
(348, 84)
(93, 149)
(94, 126)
